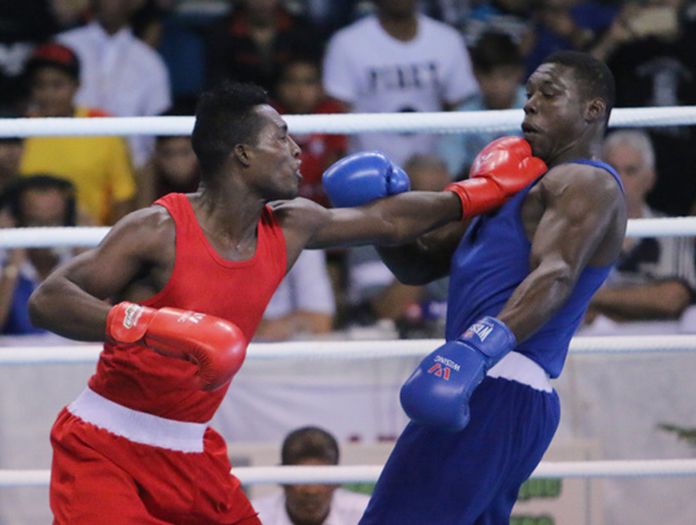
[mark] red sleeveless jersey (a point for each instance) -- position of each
(201, 280)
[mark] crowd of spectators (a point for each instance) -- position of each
(93, 58)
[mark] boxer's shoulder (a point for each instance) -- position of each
(150, 229)
(300, 214)
(585, 178)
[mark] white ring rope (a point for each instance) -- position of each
(82, 236)
(435, 122)
(89, 353)
(664, 227)
(50, 237)
(370, 473)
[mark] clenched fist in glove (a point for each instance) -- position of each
(500, 170)
(216, 345)
(438, 391)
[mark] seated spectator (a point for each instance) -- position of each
(38, 200)
(299, 91)
(99, 167)
(173, 167)
(310, 504)
(120, 73)
(655, 277)
(255, 40)
(372, 288)
(304, 302)
(499, 69)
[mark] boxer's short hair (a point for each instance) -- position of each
(595, 78)
(225, 117)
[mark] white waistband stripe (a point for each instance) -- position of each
(520, 368)
(137, 426)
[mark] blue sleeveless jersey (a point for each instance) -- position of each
(492, 260)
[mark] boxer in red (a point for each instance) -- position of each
(175, 292)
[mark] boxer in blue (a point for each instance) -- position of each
(482, 409)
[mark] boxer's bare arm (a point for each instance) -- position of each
(583, 223)
(393, 220)
(74, 300)
(426, 259)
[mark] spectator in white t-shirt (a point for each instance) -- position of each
(304, 302)
(310, 504)
(397, 61)
(119, 73)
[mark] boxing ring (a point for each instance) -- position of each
(338, 352)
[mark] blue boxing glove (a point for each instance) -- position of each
(362, 178)
(438, 392)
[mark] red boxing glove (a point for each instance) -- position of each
(216, 345)
(500, 170)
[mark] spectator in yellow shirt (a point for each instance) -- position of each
(99, 167)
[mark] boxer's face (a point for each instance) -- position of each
(275, 158)
(309, 503)
(555, 110)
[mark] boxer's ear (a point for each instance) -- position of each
(243, 154)
(595, 110)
